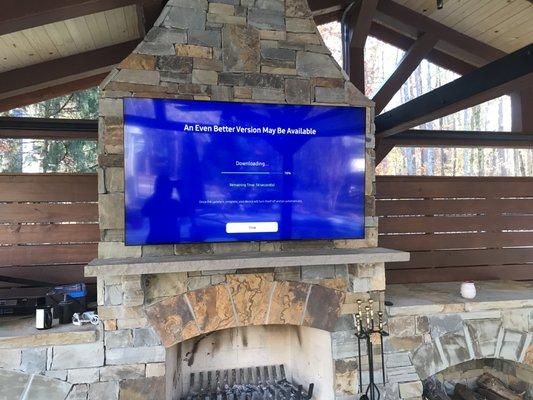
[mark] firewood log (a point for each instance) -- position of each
(492, 384)
(489, 395)
(465, 393)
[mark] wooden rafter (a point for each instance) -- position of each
(500, 77)
(521, 105)
(382, 149)
(396, 24)
(52, 73)
(412, 58)
(17, 15)
(405, 42)
(51, 92)
(361, 21)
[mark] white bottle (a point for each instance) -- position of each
(468, 290)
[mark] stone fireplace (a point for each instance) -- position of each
(201, 308)
(251, 321)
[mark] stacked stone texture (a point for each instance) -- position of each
(425, 340)
(124, 303)
(265, 51)
(453, 341)
(260, 51)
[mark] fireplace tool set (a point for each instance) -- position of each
(370, 330)
(259, 383)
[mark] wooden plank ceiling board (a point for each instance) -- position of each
(65, 38)
(504, 24)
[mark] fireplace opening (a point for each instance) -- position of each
(279, 361)
(488, 378)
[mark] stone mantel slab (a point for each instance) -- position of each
(221, 262)
(444, 297)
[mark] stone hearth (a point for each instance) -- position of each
(437, 333)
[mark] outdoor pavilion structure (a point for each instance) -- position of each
(455, 228)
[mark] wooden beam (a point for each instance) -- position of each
(404, 42)
(443, 32)
(317, 6)
(408, 27)
(355, 67)
(437, 138)
(151, 11)
(382, 149)
(359, 27)
(48, 128)
(18, 15)
(488, 82)
(412, 58)
(51, 92)
(59, 71)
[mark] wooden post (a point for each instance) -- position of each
(522, 107)
(359, 27)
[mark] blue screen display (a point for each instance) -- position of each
(199, 171)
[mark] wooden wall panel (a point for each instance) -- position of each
(457, 228)
(48, 188)
(48, 226)
(48, 212)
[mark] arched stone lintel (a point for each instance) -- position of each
(475, 339)
(244, 300)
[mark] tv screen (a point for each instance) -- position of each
(204, 171)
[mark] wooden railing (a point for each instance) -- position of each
(48, 225)
(457, 228)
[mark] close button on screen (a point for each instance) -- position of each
(251, 227)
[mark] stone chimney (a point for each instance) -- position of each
(261, 51)
(294, 309)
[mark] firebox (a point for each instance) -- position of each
(256, 362)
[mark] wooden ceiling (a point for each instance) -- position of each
(49, 50)
(69, 44)
(504, 24)
(68, 37)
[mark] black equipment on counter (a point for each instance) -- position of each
(75, 292)
(66, 309)
(21, 301)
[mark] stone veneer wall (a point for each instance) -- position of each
(126, 359)
(125, 300)
(260, 51)
(426, 340)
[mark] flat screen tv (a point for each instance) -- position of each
(205, 171)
